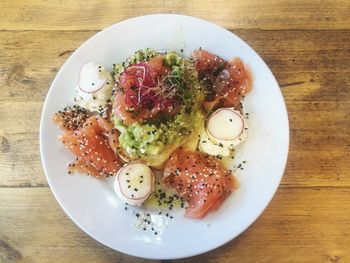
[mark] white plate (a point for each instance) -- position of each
(93, 206)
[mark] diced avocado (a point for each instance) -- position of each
(142, 55)
(118, 68)
(172, 59)
(151, 139)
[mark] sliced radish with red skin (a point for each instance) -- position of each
(225, 124)
(134, 183)
(90, 79)
(225, 129)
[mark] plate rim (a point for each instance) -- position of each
(46, 102)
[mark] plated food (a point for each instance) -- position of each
(93, 202)
(160, 113)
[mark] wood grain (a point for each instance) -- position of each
(95, 15)
(33, 228)
(316, 90)
(30, 60)
(305, 43)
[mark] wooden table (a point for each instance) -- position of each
(307, 46)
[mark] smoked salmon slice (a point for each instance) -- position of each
(200, 179)
(225, 82)
(94, 144)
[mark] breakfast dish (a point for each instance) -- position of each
(159, 110)
(159, 216)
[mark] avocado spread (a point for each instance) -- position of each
(151, 137)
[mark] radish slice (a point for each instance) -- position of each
(225, 129)
(134, 183)
(225, 124)
(90, 80)
(213, 147)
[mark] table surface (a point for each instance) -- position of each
(307, 46)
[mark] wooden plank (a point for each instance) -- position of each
(41, 232)
(310, 66)
(308, 219)
(96, 15)
(20, 163)
(310, 138)
(316, 62)
(29, 62)
(300, 225)
(20, 117)
(308, 165)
